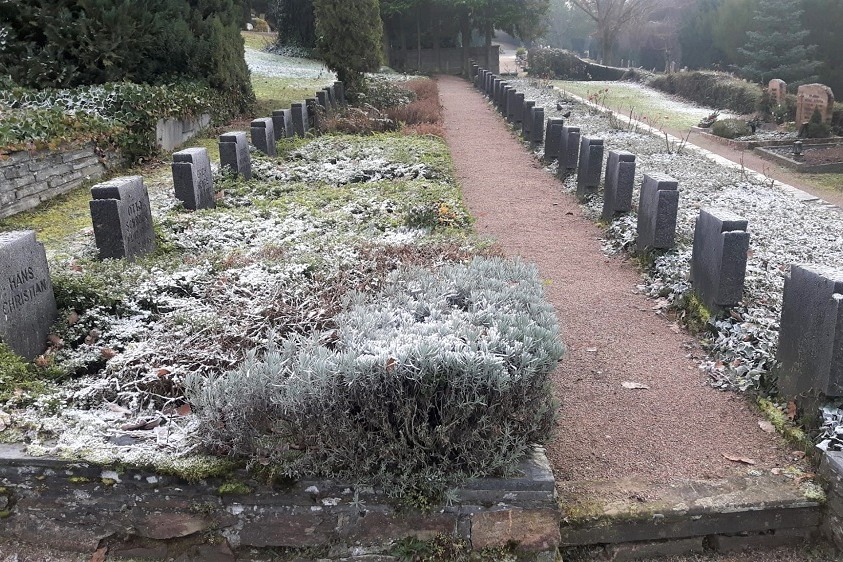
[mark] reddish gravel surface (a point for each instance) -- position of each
(680, 427)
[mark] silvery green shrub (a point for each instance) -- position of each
(440, 376)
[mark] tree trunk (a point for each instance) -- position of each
(418, 39)
(465, 31)
(489, 33)
(437, 39)
(607, 45)
(403, 38)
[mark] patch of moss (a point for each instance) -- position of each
(814, 492)
(783, 425)
(236, 488)
(21, 380)
(108, 481)
(194, 469)
(444, 547)
(79, 480)
(698, 314)
(5, 513)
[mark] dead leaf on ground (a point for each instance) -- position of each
(634, 385)
(675, 328)
(5, 420)
(72, 318)
(183, 410)
(99, 554)
(390, 364)
(163, 372)
(797, 455)
(791, 410)
(736, 458)
(777, 471)
(766, 426)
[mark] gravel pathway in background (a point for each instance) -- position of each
(679, 428)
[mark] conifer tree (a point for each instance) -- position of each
(776, 48)
(349, 38)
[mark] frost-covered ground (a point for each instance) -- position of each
(279, 66)
(280, 253)
(783, 231)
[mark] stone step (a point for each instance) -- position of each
(630, 519)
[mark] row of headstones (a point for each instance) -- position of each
(810, 350)
(122, 217)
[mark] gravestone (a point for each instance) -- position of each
(323, 99)
(474, 70)
(122, 218)
(263, 135)
(282, 123)
(192, 179)
(718, 261)
(810, 97)
(331, 93)
(778, 91)
(517, 107)
(569, 150)
(26, 291)
(620, 179)
(527, 118)
(590, 168)
(510, 105)
(496, 90)
(234, 154)
(810, 352)
(553, 134)
(537, 126)
(480, 81)
(658, 204)
(339, 94)
(314, 117)
(502, 101)
(300, 118)
(490, 85)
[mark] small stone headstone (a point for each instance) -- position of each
(778, 91)
(527, 118)
(569, 150)
(810, 97)
(122, 218)
(509, 105)
(496, 88)
(474, 70)
(590, 168)
(192, 178)
(339, 94)
(810, 352)
(26, 291)
(282, 123)
(552, 138)
(263, 135)
(718, 261)
(301, 122)
(537, 127)
(657, 208)
(314, 116)
(504, 94)
(331, 98)
(323, 99)
(234, 154)
(620, 179)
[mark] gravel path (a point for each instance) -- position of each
(680, 427)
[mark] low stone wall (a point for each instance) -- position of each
(172, 133)
(801, 167)
(831, 471)
(29, 178)
(80, 507)
(751, 144)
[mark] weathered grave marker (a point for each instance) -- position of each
(552, 137)
(518, 107)
(331, 94)
(26, 291)
(569, 150)
(234, 153)
(527, 118)
(810, 97)
(314, 116)
(718, 261)
(282, 123)
(192, 179)
(504, 94)
(263, 135)
(620, 179)
(777, 89)
(301, 122)
(810, 352)
(537, 127)
(122, 218)
(339, 93)
(590, 167)
(657, 208)
(323, 99)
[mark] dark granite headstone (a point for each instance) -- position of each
(503, 95)
(527, 118)
(474, 70)
(496, 86)
(314, 114)
(122, 218)
(331, 93)
(26, 291)
(718, 261)
(552, 138)
(569, 150)
(301, 122)
(339, 93)
(590, 168)
(518, 108)
(620, 179)
(192, 179)
(657, 207)
(509, 106)
(323, 99)
(234, 153)
(810, 352)
(263, 135)
(537, 127)
(282, 123)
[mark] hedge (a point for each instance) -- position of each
(713, 89)
(559, 64)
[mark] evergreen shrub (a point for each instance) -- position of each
(816, 128)
(439, 376)
(731, 128)
(713, 89)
